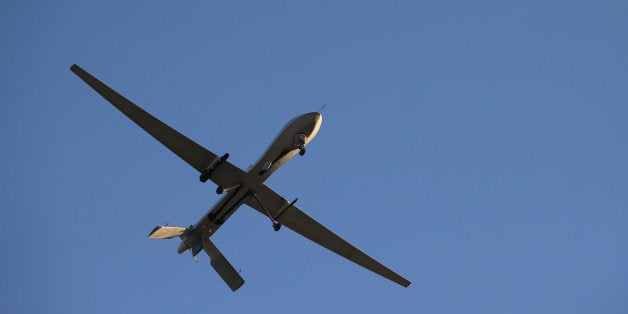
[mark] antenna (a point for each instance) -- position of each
(322, 108)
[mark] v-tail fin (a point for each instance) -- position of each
(164, 232)
(197, 243)
(222, 266)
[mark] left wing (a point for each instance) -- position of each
(293, 218)
(194, 154)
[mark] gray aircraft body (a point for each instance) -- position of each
(240, 187)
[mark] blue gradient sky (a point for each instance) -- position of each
(477, 147)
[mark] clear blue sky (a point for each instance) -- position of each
(479, 148)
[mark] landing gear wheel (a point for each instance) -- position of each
(220, 189)
(276, 226)
(301, 151)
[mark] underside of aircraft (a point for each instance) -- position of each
(240, 187)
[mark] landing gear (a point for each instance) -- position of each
(300, 140)
(276, 226)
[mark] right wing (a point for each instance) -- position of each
(293, 218)
(194, 154)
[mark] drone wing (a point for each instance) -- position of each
(194, 154)
(292, 217)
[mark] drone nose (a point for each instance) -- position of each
(318, 117)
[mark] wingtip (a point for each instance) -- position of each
(236, 287)
(153, 231)
(74, 67)
(404, 282)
